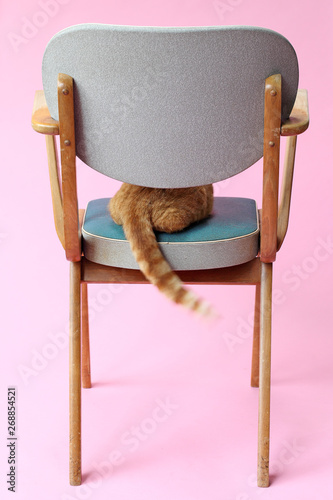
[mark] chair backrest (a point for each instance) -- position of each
(169, 107)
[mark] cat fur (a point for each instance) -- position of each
(141, 210)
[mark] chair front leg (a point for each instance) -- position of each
(75, 375)
(256, 340)
(264, 374)
(86, 376)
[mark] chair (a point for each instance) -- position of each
(171, 107)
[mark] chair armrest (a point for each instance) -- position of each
(298, 120)
(42, 121)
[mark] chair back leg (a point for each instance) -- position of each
(264, 374)
(75, 375)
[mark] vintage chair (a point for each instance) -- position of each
(171, 107)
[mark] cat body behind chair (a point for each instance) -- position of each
(141, 210)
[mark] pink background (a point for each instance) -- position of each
(145, 352)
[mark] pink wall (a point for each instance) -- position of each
(143, 349)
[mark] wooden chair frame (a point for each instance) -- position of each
(258, 272)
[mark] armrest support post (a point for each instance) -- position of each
(287, 181)
(55, 187)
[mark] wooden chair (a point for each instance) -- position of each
(171, 107)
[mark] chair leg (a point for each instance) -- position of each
(256, 337)
(264, 374)
(75, 376)
(86, 377)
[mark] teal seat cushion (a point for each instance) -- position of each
(230, 236)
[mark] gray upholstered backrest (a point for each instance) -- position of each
(169, 107)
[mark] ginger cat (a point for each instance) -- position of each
(142, 210)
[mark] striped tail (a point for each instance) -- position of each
(145, 248)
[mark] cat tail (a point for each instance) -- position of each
(156, 269)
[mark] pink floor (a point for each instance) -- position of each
(171, 414)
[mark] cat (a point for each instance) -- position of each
(141, 210)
